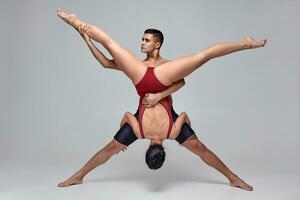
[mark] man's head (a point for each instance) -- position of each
(151, 40)
(155, 156)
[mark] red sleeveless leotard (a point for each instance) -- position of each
(150, 84)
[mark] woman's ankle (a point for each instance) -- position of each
(74, 22)
(244, 44)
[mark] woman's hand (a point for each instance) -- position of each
(82, 30)
(151, 99)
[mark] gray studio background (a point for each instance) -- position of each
(59, 106)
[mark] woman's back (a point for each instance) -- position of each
(155, 122)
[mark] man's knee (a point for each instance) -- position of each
(114, 147)
(201, 147)
(196, 146)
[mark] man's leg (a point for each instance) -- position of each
(112, 148)
(126, 61)
(177, 69)
(197, 147)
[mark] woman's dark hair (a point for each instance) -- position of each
(157, 34)
(155, 156)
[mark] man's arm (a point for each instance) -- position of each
(171, 89)
(151, 99)
(102, 59)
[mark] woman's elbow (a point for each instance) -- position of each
(184, 114)
(127, 114)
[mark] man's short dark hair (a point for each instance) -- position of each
(155, 156)
(157, 34)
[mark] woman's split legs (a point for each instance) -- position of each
(197, 147)
(99, 158)
(126, 61)
(177, 69)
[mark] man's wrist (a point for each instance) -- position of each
(88, 42)
(160, 96)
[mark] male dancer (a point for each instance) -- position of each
(167, 73)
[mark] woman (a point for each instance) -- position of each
(165, 74)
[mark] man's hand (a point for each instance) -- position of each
(151, 99)
(82, 30)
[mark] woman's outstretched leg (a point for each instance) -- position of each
(126, 61)
(177, 69)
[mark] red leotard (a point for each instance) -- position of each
(150, 84)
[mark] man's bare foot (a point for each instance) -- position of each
(70, 181)
(237, 182)
(251, 43)
(68, 18)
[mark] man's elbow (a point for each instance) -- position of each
(106, 65)
(111, 65)
(181, 82)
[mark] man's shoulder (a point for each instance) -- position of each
(165, 60)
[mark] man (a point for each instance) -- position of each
(151, 44)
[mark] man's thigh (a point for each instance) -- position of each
(194, 145)
(186, 132)
(125, 134)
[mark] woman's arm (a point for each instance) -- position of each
(132, 121)
(151, 99)
(181, 119)
(102, 59)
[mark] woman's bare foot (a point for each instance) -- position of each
(237, 182)
(68, 18)
(70, 181)
(251, 43)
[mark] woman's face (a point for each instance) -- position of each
(148, 43)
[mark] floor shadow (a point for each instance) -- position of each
(157, 183)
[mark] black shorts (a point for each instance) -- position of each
(126, 136)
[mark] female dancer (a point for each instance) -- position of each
(166, 74)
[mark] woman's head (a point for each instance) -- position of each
(155, 156)
(151, 40)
